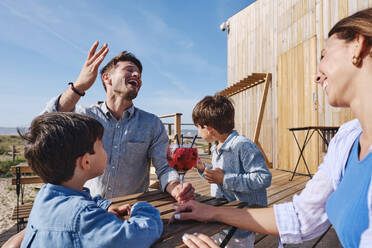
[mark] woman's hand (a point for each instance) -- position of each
(193, 210)
(198, 241)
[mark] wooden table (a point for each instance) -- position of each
(281, 190)
(172, 234)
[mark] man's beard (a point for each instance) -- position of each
(131, 95)
(127, 93)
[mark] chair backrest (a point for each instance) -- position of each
(23, 175)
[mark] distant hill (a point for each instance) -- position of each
(189, 132)
(8, 130)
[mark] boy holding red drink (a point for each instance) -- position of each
(238, 170)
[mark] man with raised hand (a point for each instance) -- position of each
(132, 137)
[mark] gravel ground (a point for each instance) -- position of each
(8, 200)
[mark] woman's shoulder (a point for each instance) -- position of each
(347, 133)
(353, 125)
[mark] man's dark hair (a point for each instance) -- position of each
(55, 140)
(216, 112)
(123, 56)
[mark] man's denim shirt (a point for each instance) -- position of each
(63, 217)
(246, 175)
(131, 143)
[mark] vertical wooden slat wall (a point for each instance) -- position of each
(296, 91)
(285, 38)
(252, 26)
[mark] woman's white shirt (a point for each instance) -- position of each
(305, 217)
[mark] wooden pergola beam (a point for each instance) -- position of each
(250, 81)
(262, 108)
(260, 117)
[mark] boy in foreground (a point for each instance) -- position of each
(65, 150)
(238, 170)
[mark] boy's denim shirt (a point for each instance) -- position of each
(246, 174)
(63, 217)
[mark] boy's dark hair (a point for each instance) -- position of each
(123, 56)
(216, 112)
(55, 140)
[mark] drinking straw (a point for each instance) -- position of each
(178, 142)
(193, 140)
(181, 139)
(182, 176)
(231, 232)
(228, 237)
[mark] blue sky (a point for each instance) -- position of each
(43, 45)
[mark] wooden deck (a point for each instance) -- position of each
(281, 190)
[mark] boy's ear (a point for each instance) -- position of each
(83, 162)
(211, 130)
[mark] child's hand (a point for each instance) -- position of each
(119, 210)
(215, 175)
(200, 165)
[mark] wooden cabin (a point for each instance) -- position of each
(283, 39)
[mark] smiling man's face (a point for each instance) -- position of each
(125, 80)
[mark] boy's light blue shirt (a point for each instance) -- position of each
(246, 174)
(63, 217)
(132, 144)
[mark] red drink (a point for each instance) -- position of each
(182, 158)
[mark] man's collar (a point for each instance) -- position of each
(105, 110)
(128, 113)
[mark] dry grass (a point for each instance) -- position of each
(6, 143)
(6, 159)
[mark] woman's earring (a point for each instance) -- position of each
(356, 60)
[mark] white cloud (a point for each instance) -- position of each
(41, 18)
(62, 32)
(186, 44)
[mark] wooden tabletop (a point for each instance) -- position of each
(172, 234)
(281, 190)
(322, 128)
